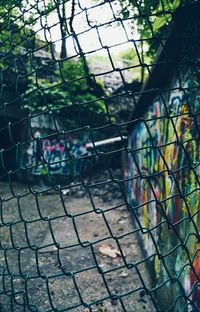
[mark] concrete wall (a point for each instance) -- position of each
(164, 165)
(56, 155)
(53, 154)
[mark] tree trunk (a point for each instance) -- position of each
(63, 53)
(61, 12)
(142, 67)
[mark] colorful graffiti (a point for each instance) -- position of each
(57, 156)
(164, 189)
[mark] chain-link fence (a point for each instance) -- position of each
(99, 159)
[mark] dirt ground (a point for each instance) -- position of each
(63, 249)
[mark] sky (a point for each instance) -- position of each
(90, 39)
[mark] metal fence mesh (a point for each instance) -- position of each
(67, 241)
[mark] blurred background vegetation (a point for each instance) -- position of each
(70, 84)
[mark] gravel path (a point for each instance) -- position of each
(100, 227)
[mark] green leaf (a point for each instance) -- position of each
(159, 22)
(176, 4)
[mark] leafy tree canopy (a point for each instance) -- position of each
(71, 97)
(153, 17)
(69, 91)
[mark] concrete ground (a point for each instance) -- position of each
(72, 265)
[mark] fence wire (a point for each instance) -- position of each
(99, 159)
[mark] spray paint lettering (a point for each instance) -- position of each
(54, 156)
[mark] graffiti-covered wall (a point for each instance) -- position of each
(163, 191)
(50, 152)
(56, 156)
(53, 156)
